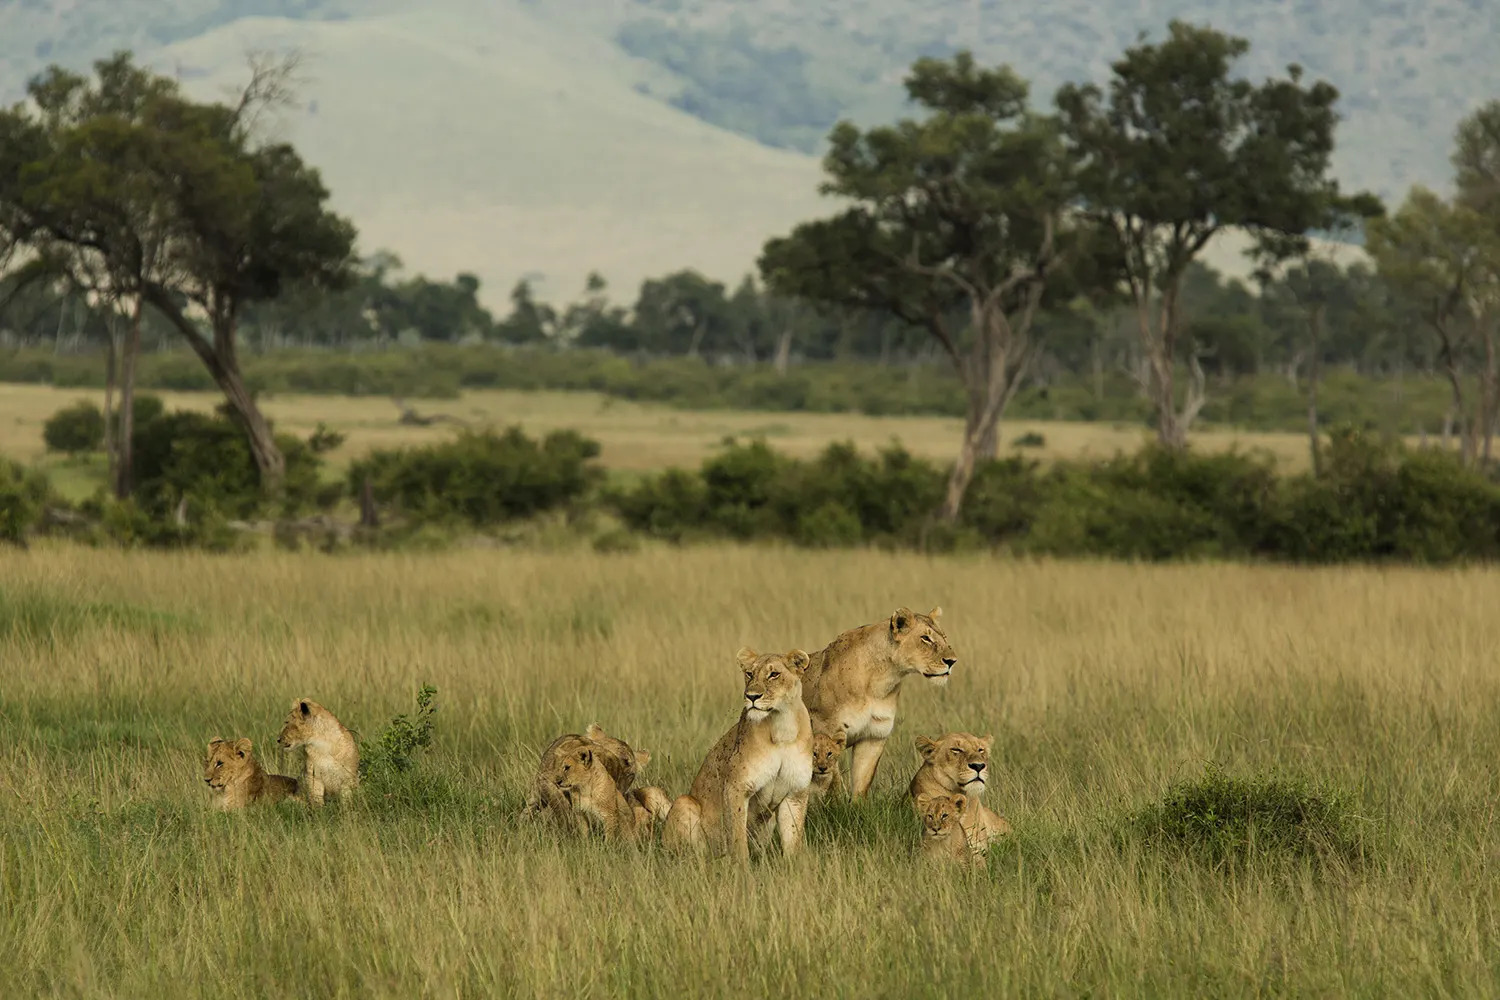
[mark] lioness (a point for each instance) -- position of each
(757, 774)
(621, 761)
(854, 682)
(237, 779)
(580, 776)
(331, 765)
(825, 753)
(943, 835)
(960, 762)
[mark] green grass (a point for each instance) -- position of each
(1358, 702)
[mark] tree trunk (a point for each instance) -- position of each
(784, 351)
(1315, 327)
(963, 467)
(1457, 414)
(125, 473)
(1489, 386)
(111, 451)
(1096, 358)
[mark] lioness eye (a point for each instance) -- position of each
(774, 674)
(955, 750)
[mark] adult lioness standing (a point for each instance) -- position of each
(853, 683)
(757, 774)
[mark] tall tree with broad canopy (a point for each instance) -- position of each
(1174, 150)
(957, 227)
(229, 220)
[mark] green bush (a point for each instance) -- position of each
(394, 750)
(24, 496)
(481, 478)
(76, 429)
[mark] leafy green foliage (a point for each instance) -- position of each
(76, 429)
(394, 751)
(1221, 818)
(24, 494)
(481, 478)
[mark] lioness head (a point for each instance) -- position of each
(825, 753)
(921, 646)
(227, 760)
(571, 766)
(961, 761)
(301, 724)
(941, 813)
(772, 681)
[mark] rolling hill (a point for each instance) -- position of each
(548, 138)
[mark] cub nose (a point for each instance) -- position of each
(948, 661)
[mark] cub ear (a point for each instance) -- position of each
(304, 708)
(746, 656)
(901, 621)
(213, 743)
(960, 803)
(840, 739)
(593, 731)
(642, 758)
(924, 800)
(798, 661)
(935, 613)
(243, 746)
(926, 747)
(586, 756)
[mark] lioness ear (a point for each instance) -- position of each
(593, 731)
(746, 656)
(243, 746)
(798, 661)
(935, 613)
(642, 758)
(925, 747)
(901, 621)
(987, 740)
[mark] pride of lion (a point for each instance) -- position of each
(798, 713)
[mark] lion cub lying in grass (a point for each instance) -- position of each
(943, 836)
(236, 778)
(960, 763)
(331, 765)
(584, 781)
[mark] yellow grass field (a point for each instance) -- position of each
(1102, 684)
(634, 436)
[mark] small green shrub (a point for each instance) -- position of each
(1031, 439)
(616, 541)
(76, 429)
(24, 496)
(394, 750)
(1222, 818)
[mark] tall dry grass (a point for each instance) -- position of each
(1101, 684)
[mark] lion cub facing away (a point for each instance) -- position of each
(943, 837)
(579, 773)
(757, 774)
(236, 778)
(332, 757)
(960, 763)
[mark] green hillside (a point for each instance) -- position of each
(553, 137)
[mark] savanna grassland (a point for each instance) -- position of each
(1102, 684)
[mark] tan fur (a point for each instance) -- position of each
(944, 838)
(960, 763)
(581, 777)
(826, 751)
(236, 779)
(622, 762)
(755, 779)
(854, 683)
(331, 765)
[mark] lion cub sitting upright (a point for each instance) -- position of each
(332, 757)
(757, 774)
(943, 837)
(237, 779)
(960, 763)
(826, 775)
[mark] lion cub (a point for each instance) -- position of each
(237, 779)
(960, 762)
(579, 774)
(331, 766)
(826, 751)
(622, 762)
(943, 836)
(757, 775)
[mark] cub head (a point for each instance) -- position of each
(773, 681)
(301, 724)
(921, 647)
(572, 764)
(961, 761)
(825, 754)
(227, 760)
(941, 813)
(623, 762)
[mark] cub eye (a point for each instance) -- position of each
(218, 763)
(926, 638)
(955, 750)
(749, 675)
(774, 674)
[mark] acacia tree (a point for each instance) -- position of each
(1174, 151)
(957, 227)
